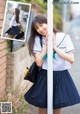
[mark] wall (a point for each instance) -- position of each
(2, 53)
(17, 62)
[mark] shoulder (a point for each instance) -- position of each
(37, 39)
(37, 46)
(62, 35)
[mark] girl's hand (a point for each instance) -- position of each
(44, 49)
(18, 24)
(10, 26)
(47, 35)
(53, 40)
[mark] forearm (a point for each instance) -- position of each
(66, 56)
(19, 24)
(39, 57)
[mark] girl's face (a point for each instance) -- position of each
(14, 11)
(41, 28)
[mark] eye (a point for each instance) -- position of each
(36, 27)
(41, 25)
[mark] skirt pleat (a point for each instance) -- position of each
(36, 95)
(64, 90)
(13, 31)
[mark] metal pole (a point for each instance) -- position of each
(50, 57)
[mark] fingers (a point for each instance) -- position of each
(47, 35)
(44, 49)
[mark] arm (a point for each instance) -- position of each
(66, 56)
(19, 24)
(39, 56)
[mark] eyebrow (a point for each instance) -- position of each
(37, 26)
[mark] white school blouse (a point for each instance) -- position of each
(13, 21)
(66, 46)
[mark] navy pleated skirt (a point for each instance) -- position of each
(13, 31)
(64, 90)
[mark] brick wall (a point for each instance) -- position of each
(2, 53)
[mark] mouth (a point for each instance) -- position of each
(43, 33)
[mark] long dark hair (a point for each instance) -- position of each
(37, 19)
(17, 11)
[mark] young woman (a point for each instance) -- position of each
(14, 25)
(65, 93)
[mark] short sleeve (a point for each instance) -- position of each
(69, 45)
(37, 46)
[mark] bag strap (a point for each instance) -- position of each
(41, 40)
